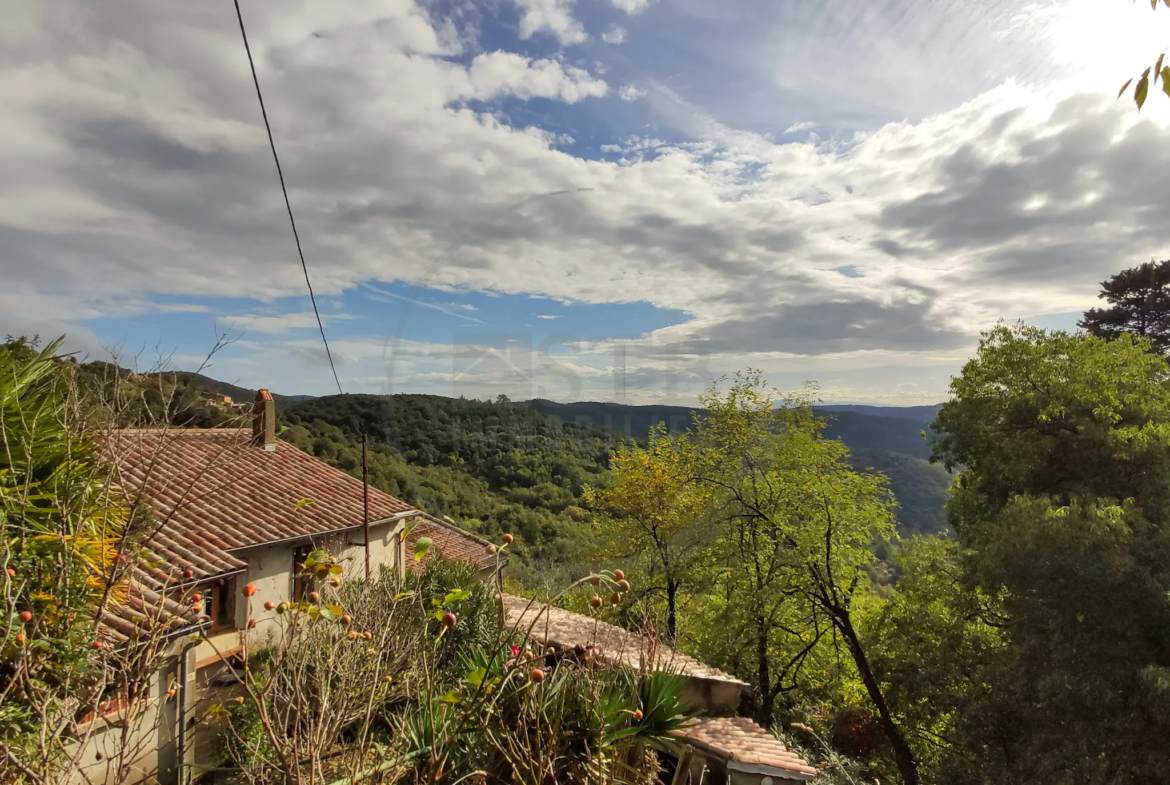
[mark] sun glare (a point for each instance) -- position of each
(1100, 43)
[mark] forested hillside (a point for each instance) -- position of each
(521, 467)
(494, 467)
(516, 467)
(879, 437)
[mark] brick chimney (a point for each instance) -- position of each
(264, 422)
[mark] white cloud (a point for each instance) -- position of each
(281, 323)
(546, 316)
(552, 16)
(630, 93)
(631, 6)
(504, 73)
(614, 35)
(135, 167)
(798, 127)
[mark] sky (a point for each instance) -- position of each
(621, 200)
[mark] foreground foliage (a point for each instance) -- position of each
(380, 681)
(67, 543)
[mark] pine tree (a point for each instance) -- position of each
(1140, 304)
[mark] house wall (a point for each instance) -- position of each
(270, 570)
(760, 778)
(712, 697)
(149, 746)
(154, 740)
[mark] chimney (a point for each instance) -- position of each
(264, 422)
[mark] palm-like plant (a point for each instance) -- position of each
(62, 527)
(62, 522)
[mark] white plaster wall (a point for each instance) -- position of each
(150, 729)
(270, 570)
(386, 546)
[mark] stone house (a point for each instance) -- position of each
(232, 507)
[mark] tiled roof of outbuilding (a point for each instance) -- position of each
(450, 541)
(213, 492)
(740, 740)
(567, 630)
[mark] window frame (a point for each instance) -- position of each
(218, 605)
(301, 585)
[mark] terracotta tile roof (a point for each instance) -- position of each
(739, 740)
(142, 612)
(452, 542)
(212, 492)
(566, 630)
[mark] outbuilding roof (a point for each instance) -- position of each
(565, 629)
(744, 745)
(451, 543)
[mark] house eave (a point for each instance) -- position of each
(396, 518)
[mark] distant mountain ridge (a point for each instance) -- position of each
(923, 414)
(889, 430)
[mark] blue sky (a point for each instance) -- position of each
(580, 199)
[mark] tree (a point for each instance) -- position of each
(653, 513)
(800, 523)
(934, 641)
(1139, 300)
(1063, 512)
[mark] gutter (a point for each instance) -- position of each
(181, 716)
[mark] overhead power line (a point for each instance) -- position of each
(287, 204)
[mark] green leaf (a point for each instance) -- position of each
(302, 502)
(1139, 92)
(335, 569)
(1166, 79)
(336, 609)
(402, 595)
(421, 547)
(325, 613)
(476, 676)
(1121, 92)
(452, 696)
(456, 596)
(1158, 66)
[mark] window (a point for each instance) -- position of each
(219, 605)
(301, 585)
